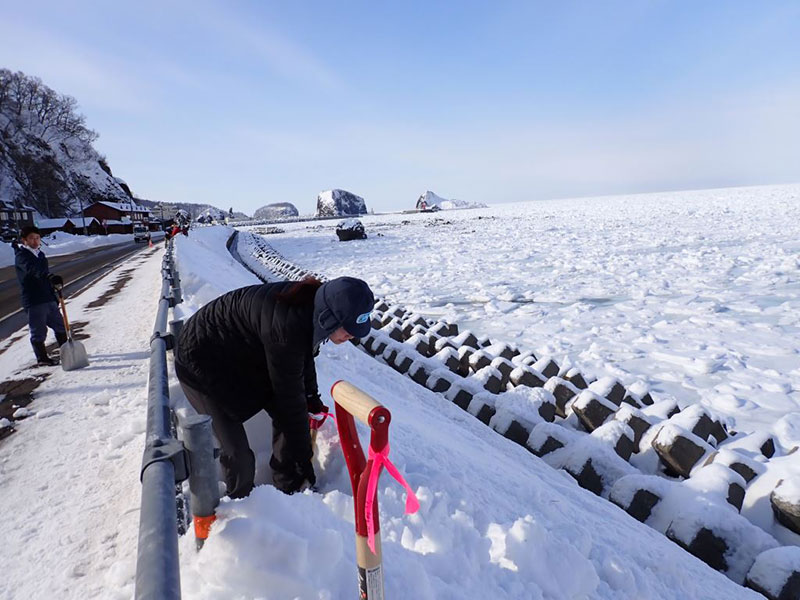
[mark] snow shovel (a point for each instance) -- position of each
(73, 354)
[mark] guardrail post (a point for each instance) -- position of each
(203, 486)
(175, 328)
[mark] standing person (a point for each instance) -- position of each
(38, 297)
(253, 349)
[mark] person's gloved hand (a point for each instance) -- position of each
(56, 280)
(314, 403)
(15, 244)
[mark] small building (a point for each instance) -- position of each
(48, 226)
(15, 217)
(72, 225)
(118, 211)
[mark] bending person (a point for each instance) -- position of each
(253, 349)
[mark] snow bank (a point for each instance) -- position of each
(61, 242)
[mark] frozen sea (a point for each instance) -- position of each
(694, 293)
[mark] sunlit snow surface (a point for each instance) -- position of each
(695, 293)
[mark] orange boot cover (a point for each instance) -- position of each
(202, 525)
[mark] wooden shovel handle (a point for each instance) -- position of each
(354, 401)
(64, 314)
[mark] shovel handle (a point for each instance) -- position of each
(64, 314)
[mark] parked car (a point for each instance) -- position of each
(141, 233)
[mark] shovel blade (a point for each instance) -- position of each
(73, 356)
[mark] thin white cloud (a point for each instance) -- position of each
(263, 41)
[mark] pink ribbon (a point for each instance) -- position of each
(316, 420)
(380, 460)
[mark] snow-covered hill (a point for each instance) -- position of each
(429, 200)
(278, 210)
(339, 203)
(46, 156)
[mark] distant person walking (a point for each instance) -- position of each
(253, 349)
(38, 297)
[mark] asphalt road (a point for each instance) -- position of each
(78, 270)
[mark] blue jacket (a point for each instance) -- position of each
(33, 273)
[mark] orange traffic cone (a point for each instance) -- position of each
(149, 242)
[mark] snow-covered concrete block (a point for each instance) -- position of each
(439, 381)
(662, 409)
(631, 400)
(398, 312)
(637, 495)
(444, 329)
(595, 466)
(546, 366)
(592, 410)
(402, 362)
(717, 480)
(504, 366)
(527, 407)
(489, 378)
(548, 437)
(776, 573)
(609, 388)
(616, 435)
(527, 376)
(484, 341)
(482, 407)
(526, 359)
(444, 342)
(418, 373)
(785, 501)
(722, 539)
(636, 420)
(563, 391)
(756, 443)
(420, 343)
(449, 357)
(576, 378)
(694, 419)
(478, 360)
(503, 350)
(381, 306)
(464, 354)
(679, 449)
(741, 464)
(394, 330)
(466, 338)
(459, 395)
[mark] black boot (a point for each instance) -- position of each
(41, 355)
(61, 339)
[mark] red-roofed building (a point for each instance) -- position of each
(119, 211)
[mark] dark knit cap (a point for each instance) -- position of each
(342, 302)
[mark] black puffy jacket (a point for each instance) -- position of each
(250, 351)
(32, 273)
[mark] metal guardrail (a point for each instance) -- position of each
(166, 462)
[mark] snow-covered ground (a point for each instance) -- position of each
(495, 521)
(61, 242)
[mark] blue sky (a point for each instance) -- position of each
(247, 103)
